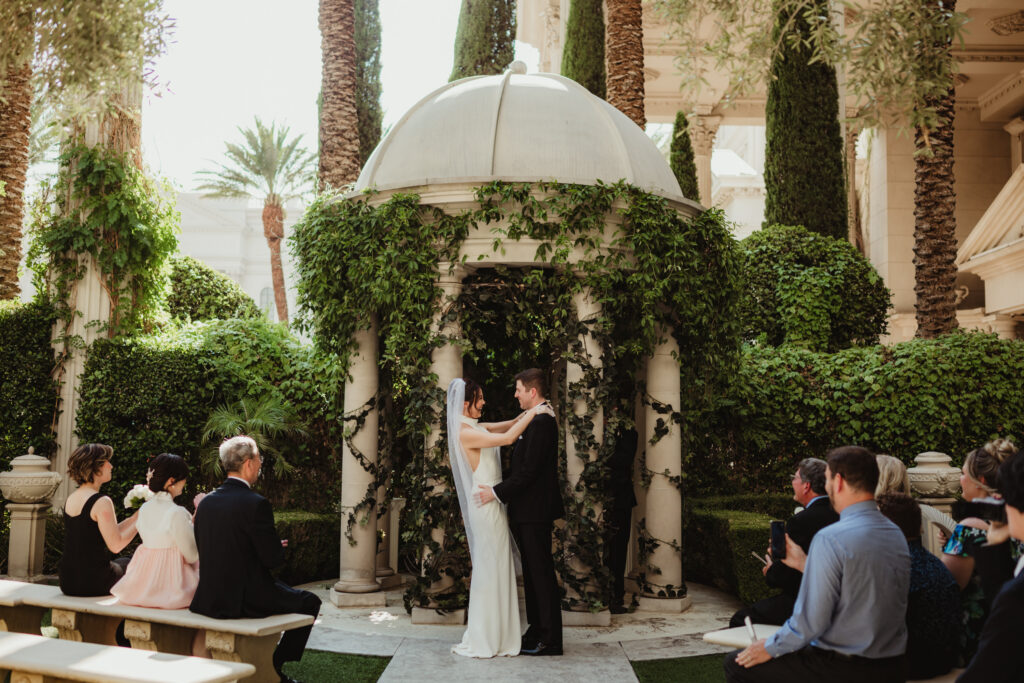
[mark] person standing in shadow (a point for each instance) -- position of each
(618, 515)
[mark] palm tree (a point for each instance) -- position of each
(624, 58)
(15, 123)
(339, 128)
(270, 421)
(266, 163)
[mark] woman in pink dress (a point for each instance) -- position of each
(164, 570)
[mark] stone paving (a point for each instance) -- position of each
(592, 654)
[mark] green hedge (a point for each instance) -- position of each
(719, 535)
(198, 292)
(27, 391)
(949, 394)
(149, 394)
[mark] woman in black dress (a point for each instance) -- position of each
(92, 531)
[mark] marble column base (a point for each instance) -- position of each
(376, 599)
(664, 605)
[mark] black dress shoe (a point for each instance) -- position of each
(543, 650)
(618, 609)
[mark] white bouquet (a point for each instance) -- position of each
(139, 494)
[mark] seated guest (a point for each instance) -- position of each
(91, 529)
(238, 546)
(809, 491)
(933, 606)
(997, 659)
(979, 480)
(936, 526)
(848, 623)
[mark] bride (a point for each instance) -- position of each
(493, 624)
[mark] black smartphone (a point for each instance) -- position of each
(778, 543)
(989, 509)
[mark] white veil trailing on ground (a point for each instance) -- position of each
(462, 474)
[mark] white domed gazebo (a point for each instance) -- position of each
(516, 128)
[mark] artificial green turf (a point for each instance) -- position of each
(703, 669)
(318, 666)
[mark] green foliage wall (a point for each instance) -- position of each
(484, 40)
(803, 170)
(949, 394)
(368, 111)
(681, 158)
(149, 394)
(198, 292)
(810, 290)
(27, 392)
(583, 53)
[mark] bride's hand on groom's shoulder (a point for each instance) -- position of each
(545, 409)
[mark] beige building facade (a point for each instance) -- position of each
(989, 135)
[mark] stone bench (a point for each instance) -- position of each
(36, 658)
(95, 620)
(17, 614)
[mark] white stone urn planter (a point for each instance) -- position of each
(934, 477)
(30, 479)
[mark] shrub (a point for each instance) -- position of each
(198, 292)
(717, 551)
(313, 551)
(27, 390)
(681, 158)
(949, 394)
(810, 290)
(583, 53)
(149, 394)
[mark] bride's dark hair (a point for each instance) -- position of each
(473, 390)
(166, 466)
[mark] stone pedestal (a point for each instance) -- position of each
(934, 481)
(28, 487)
(358, 555)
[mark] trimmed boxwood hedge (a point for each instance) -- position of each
(949, 394)
(27, 391)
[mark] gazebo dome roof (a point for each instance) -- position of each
(520, 128)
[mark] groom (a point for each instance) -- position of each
(534, 500)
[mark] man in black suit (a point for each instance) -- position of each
(238, 546)
(534, 499)
(618, 516)
(997, 659)
(809, 491)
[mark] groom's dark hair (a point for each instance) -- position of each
(534, 378)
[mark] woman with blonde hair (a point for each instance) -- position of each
(978, 480)
(936, 526)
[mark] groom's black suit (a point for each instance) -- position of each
(238, 546)
(533, 495)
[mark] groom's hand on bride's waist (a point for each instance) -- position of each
(484, 495)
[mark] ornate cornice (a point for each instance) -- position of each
(1003, 94)
(1008, 24)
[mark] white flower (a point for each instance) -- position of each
(139, 494)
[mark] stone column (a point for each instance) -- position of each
(702, 135)
(385, 574)
(664, 500)
(576, 457)
(853, 229)
(446, 363)
(27, 488)
(357, 585)
(640, 416)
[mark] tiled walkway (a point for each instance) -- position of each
(592, 654)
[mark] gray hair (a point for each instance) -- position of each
(812, 471)
(235, 451)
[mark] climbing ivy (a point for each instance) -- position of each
(657, 273)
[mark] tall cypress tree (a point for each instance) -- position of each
(367, 34)
(484, 39)
(583, 55)
(803, 170)
(680, 158)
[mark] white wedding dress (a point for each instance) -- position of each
(492, 627)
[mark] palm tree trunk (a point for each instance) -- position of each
(339, 118)
(935, 226)
(624, 57)
(15, 123)
(273, 230)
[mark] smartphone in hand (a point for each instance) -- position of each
(778, 542)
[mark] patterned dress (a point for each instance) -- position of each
(972, 598)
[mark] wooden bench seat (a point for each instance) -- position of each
(36, 659)
(95, 620)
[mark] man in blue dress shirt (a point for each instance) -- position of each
(848, 623)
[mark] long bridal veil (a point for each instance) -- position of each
(461, 472)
